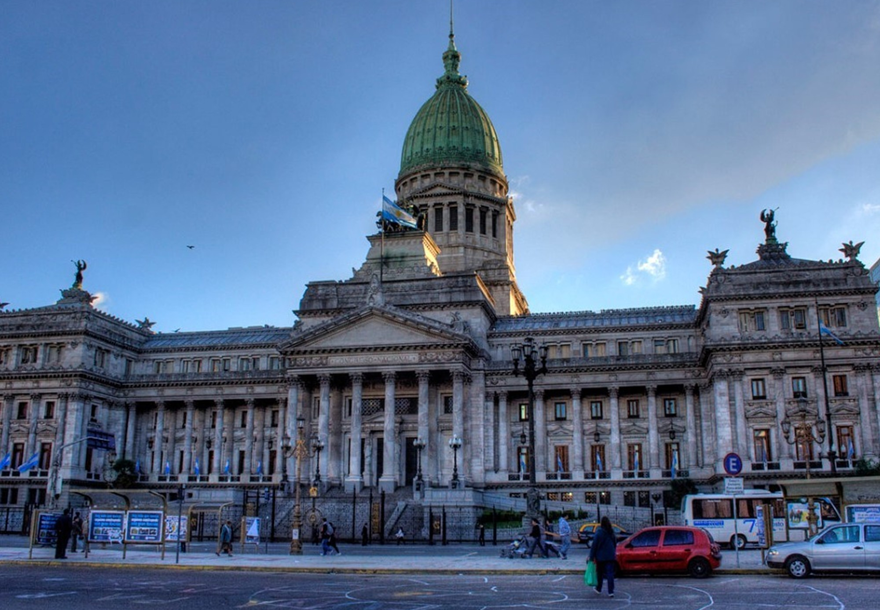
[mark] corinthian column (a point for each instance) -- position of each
(388, 480)
(355, 479)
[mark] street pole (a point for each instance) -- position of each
(180, 492)
(832, 454)
(530, 354)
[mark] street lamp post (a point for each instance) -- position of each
(455, 444)
(317, 445)
(832, 454)
(419, 444)
(300, 452)
(531, 354)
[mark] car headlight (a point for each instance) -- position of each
(772, 552)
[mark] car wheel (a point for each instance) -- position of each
(738, 541)
(797, 567)
(699, 567)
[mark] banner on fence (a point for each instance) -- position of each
(176, 531)
(106, 526)
(144, 526)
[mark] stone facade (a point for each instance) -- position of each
(387, 367)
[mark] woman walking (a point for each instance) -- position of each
(604, 553)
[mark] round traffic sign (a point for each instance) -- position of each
(733, 464)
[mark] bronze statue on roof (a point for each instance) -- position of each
(80, 267)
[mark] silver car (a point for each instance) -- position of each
(847, 547)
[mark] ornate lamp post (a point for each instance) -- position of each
(419, 444)
(300, 452)
(832, 454)
(530, 354)
(317, 445)
(455, 444)
(805, 432)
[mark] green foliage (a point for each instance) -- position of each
(680, 488)
(125, 475)
(865, 467)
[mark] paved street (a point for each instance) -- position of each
(105, 588)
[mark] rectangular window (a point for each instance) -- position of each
(673, 456)
(244, 364)
(601, 497)
(595, 409)
(243, 420)
(594, 350)
(274, 363)
(524, 411)
(629, 498)
(523, 461)
(45, 456)
(794, 318)
(447, 405)
(215, 365)
(559, 411)
(759, 389)
(846, 444)
(453, 218)
(763, 450)
(833, 316)
(29, 354)
(469, 220)
(213, 419)
(632, 408)
(22, 411)
(482, 221)
(751, 320)
(799, 387)
(129, 363)
(187, 365)
(17, 455)
(273, 418)
(670, 407)
(438, 219)
(803, 444)
(623, 348)
(597, 458)
(561, 462)
(840, 387)
(659, 346)
(49, 410)
(634, 456)
(494, 224)
(93, 413)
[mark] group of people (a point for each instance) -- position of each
(538, 538)
(70, 529)
(328, 538)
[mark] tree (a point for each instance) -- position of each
(125, 474)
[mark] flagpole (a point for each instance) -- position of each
(382, 247)
(832, 455)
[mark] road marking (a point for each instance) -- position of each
(840, 604)
(44, 595)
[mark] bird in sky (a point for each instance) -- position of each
(190, 247)
(177, 330)
(2, 305)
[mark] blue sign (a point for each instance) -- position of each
(145, 527)
(106, 525)
(733, 464)
(46, 533)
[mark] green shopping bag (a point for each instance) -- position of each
(590, 578)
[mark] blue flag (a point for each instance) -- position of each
(522, 463)
(559, 467)
(196, 468)
(167, 467)
(31, 463)
(7, 459)
(137, 467)
(226, 468)
(851, 451)
(636, 462)
(824, 330)
(393, 213)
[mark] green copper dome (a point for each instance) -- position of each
(451, 127)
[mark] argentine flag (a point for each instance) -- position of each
(522, 463)
(7, 459)
(396, 214)
(674, 463)
(559, 467)
(598, 463)
(167, 467)
(137, 467)
(850, 451)
(636, 463)
(226, 468)
(824, 330)
(197, 468)
(31, 463)
(260, 467)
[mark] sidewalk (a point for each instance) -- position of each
(373, 559)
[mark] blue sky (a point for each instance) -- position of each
(636, 136)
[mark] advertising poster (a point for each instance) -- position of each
(863, 514)
(799, 515)
(144, 526)
(46, 534)
(252, 530)
(106, 526)
(174, 531)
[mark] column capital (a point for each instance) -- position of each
(324, 379)
(423, 375)
(160, 404)
(862, 368)
(575, 392)
(9, 397)
(250, 402)
(651, 390)
(189, 403)
(777, 373)
(218, 403)
(539, 394)
(36, 396)
(690, 387)
(356, 378)
(294, 381)
(389, 376)
(614, 391)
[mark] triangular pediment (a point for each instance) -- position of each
(376, 328)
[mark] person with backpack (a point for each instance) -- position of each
(328, 538)
(604, 552)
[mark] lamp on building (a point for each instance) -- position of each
(419, 444)
(596, 436)
(455, 444)
(317, 446)
(672, 433)
(805, 432)
(531, 355)
(300, 452)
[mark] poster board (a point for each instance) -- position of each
(45, 532)
(144, 526)
(251, 530)
(106, 526)
(176, 531)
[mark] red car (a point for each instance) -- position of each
(670, 549)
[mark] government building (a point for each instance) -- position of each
(399, 381)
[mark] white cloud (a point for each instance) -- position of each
(101, 300)
(654, 267)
